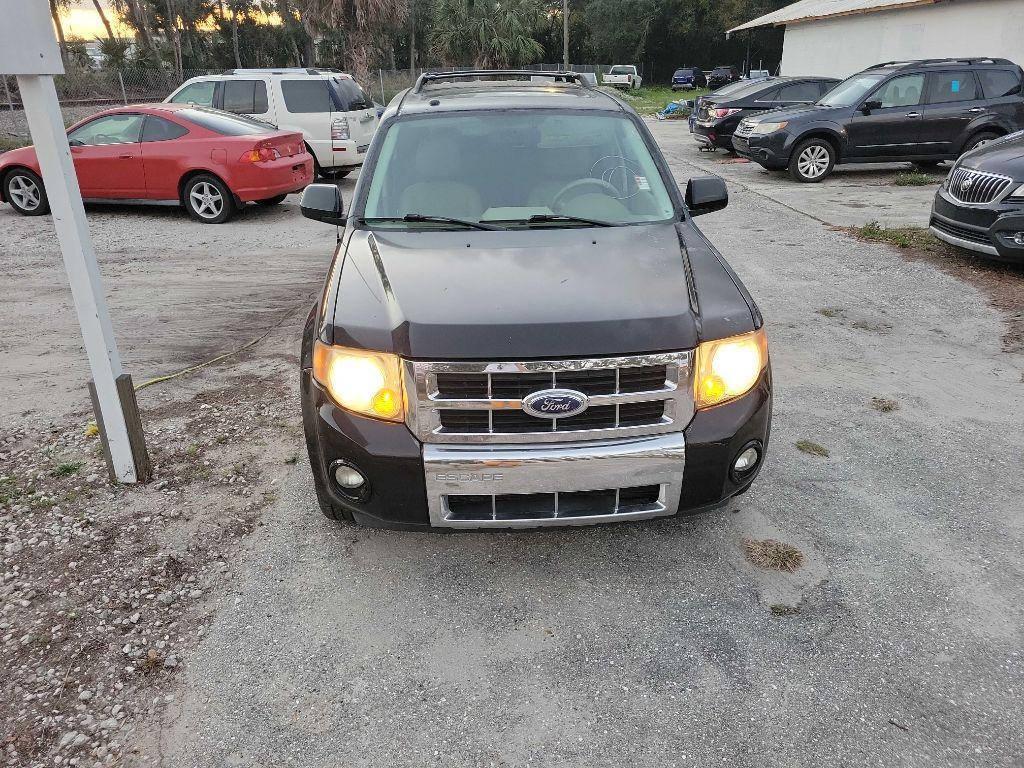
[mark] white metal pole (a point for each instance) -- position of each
(46, 123)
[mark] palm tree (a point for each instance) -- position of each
(56, 6)
(363, 22)
(489, 33)
(103, 17)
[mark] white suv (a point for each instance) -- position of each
(334, 115)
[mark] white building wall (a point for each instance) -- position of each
(847, 44)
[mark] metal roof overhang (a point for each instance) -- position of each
(811, 10)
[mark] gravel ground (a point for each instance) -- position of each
(657, 644)
(897, 642)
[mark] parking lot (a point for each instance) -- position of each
(648, 644)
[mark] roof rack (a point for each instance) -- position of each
(281, 71)
(949, 60)
(428, 78)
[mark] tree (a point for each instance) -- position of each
(103, 17)
(488, 33)
(56, 7)
(365, 25)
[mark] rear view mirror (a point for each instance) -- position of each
(870, 105)
(706, 194)
(322, 202)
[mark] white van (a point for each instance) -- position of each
(334, 115)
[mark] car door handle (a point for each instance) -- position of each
(912, 114)
(975, 110)
(125, 157)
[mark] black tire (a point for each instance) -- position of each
(812, 161)
(208, 199)
(984, 137)
(25, 192)
(272, 200)
(927, 165)
(334, 174)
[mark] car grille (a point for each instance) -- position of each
(482, 402)
(548, 506)
(966, 185)
(964, 233)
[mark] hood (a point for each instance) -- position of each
(515, 294)
(1005, 157)
(794, 113)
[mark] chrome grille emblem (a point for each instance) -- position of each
(555, 403)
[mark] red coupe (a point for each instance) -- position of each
(211, 162)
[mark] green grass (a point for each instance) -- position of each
(915, 179)
(809, 446)
(68, 469)
(901, 237)
(648, 100)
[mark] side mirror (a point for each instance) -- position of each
(322, 202)
(867, 106)
(706, 194)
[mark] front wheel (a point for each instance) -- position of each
(24, 191)
(979, 140)
(208, 199)
(334, 174)
(812, 161)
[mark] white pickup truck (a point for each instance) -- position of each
(623, 76)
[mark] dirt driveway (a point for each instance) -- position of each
(655, 644)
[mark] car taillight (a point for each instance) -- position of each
(261, 153)
(339, 129)
(720, 113)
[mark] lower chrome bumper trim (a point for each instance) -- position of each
(502, 470)
(970, 245)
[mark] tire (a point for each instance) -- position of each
(208, 199)
(812, 161)
(979, 139)
(927, 165)
(25, 192)
(271, 200)
(333, 174)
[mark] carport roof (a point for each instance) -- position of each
(810, 10)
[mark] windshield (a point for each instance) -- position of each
(850, 92)
(620, 71)
(509, 167)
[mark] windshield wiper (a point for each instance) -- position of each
(547, 218)
(415, 217)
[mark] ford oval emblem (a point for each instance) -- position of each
(555, 403)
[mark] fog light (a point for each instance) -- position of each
(1018, 238)
(349, 478)
(745, 461)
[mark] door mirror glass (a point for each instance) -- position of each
(870, 105)
(706, 194)
(322, 202)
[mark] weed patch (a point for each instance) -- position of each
(808, 446)
(773, 555)
(884, 404)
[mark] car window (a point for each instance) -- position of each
(158, 129)
(825, 86)
(225, 124)
(505, 167)
(769, 95)
(245, 97)
(999, 82)
(944, 87)
(903, 91)
(851, 91)
(350, 96)
(200, 94)
(620, 71)
(112, 129)
(806, 91)
(304, 96)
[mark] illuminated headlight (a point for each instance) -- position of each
(761, 129)
(729, 368)
(369, 383)
(1017, 194)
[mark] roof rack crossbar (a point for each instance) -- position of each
(947, 60)
(280, 71)
(470, 74)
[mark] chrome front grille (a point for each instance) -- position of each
(966, 185)
(478, 402)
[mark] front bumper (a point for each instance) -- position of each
(986, 229)
(415, 486)
(771, 150)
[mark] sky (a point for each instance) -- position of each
(81, 20)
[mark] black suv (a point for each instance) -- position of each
(723, 75)
(522, 326)
(720, 113)
(980, 205)
(919, 111)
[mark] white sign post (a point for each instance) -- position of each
(28, 49)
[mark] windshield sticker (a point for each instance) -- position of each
(956, 86)
(641, 182)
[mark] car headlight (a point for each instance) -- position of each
(369, 383)
(1017, 194)
(729, 368)
(760, 129)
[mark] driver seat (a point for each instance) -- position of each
(438, 164)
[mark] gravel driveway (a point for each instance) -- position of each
(899, 642)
